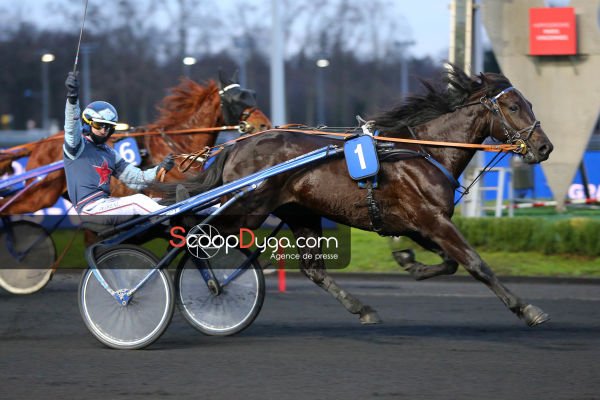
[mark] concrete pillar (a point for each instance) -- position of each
(465, 51)
(564, 90)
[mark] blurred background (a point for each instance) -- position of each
(342, 57)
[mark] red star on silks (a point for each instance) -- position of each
(104, 172)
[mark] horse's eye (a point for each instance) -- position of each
(513, 108)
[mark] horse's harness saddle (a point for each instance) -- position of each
(363, 155)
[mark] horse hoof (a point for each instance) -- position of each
(368, 316)
(534, 315)
(404, 257)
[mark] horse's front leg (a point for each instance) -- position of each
(443, 232)
(419, 271)
(313, 267)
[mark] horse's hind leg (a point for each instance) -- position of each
(443, 232)
(419, 271)
(314, 268)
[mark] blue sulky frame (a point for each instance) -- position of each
(242, 187)
(7, 186)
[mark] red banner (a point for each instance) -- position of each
(552, 31)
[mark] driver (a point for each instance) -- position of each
(90, 163)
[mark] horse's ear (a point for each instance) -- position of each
(234, 77)
(222, 80)
(451, 70)
(458, 76)
(448, 67)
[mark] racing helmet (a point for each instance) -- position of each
(99, 114)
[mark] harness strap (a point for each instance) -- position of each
(404, 154)
(445, 171)
(373, 208)
(189, 159)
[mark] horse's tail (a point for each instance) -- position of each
(205, 180)
(210, 177)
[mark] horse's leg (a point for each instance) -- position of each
(314, 268)
(406, 259)
(443, 232)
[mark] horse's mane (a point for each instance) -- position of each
(453, 89)
(181, 105)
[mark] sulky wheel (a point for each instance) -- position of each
(27, 256)
(142, 320)
(222, 308)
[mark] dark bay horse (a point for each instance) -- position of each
(190, 105)
(415, 198)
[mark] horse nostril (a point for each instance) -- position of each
(544, 150)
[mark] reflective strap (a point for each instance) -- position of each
(226, 88)
(508, 89)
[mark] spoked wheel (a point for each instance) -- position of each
(145, 317)
(232, 309)
(27, 254)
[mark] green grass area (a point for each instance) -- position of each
(372, 253)
(572, 211)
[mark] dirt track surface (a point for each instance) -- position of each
(446, 339)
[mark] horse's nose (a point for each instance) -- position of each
(545, 150)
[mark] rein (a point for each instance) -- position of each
(498, 148)
(136, 134)
(178, 131)
(203, 155)
(515, 143)
(466, 190)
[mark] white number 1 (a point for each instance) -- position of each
(361, 157)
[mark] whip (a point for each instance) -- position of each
(80, 36)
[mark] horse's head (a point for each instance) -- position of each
(513, 120)
(239, 106)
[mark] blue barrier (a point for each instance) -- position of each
(541, 189)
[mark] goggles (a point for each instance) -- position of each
(110, 128)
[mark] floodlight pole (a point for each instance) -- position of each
(278, 116)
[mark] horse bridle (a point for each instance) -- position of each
(242, 121)
(513, 136)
